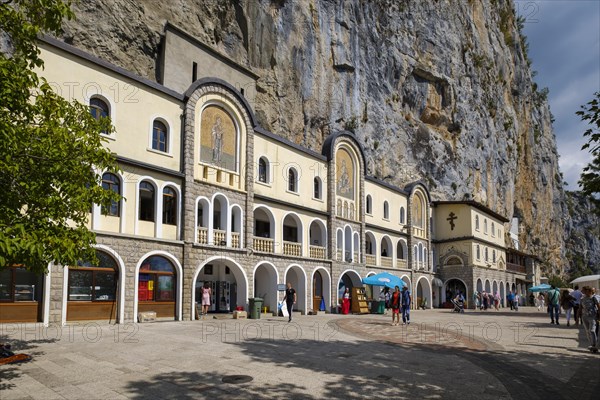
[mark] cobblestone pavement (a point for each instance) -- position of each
(483, 355)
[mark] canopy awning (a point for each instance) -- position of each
(437, 282)
(540, 288)
(384, 279)
(586, 278)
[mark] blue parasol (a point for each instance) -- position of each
(384, 279)
(540, 288)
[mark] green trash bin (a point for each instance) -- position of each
(255, 307)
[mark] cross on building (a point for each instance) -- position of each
(451, 219)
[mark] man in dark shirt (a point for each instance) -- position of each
(290, 299)
(406, 300)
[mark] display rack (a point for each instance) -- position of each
(359, 301)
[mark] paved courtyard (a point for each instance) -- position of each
(483, 355)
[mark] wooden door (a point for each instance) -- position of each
(317, 290)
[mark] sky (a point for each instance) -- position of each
(564, 46)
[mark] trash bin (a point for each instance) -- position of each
(255, 306)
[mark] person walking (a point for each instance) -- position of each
(516, 300)
(588, 311)
(476, 299)
(290, 299)
(406, 301)
(395, 306)
(206, 296)
(510, 297)
(577, 295)
(566, 302)
(553, 304)
(541, 301)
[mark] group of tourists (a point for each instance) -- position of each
(399, 302)
(583, 305)
(484, 300)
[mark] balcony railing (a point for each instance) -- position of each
(202, 235)
(317, 252)
(292, 249)
(400, 263)
(235, 240)
(386, 262)
(219, 237)
(266, 245)
(418, 232)
(370, 259)
(516, 268)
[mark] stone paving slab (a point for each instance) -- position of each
(483, 355)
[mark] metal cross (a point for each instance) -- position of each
(451, 219)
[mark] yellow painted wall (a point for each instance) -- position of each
(133, 106)
(281, 158)
(379, 194)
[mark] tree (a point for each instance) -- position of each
(590, 177)
(51, 150)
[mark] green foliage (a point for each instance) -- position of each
(351, 124)
(590, 177)
(50, 151)
(557, 281)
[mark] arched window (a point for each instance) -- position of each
(99, 109)
(486, 254)
(113, 183)
(263, 170)
(292, 180)
(369, 205)
(494, 256)
(156, 280)
(386, 210)
(478, 253)
(477, 223)
(160, 136)
(94, 282)
(169, 206)
(402, 215)
(493, 230)
(317, 188)
(485, 226)
(147, 202)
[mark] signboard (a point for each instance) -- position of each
(281, 287)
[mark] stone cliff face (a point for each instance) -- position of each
(436, 90)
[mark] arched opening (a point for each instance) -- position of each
(479, 286)
(264, 230)
(317, 237)
(296, 276)
(387, 252)
(386, 210)
(452, 288)
(157, 286)
(321, 290)
(402, 215)
(265, 285)
(370, 248)
(348, 244)
(513, 288)
(147, 201)
(317, 188)
(423, 299)
(160, 136)
(502, 294)
(220, 211)
(339, 242)
(228, 283)
(202, 214)
(401, 254)
(292, 235)
(488, 287)
(453, 260)
(292, 180)
(495, 288)
(349, 279)
(92, 289)
(21, 294)
(236, 227)
(369, 205)
(112, 183)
